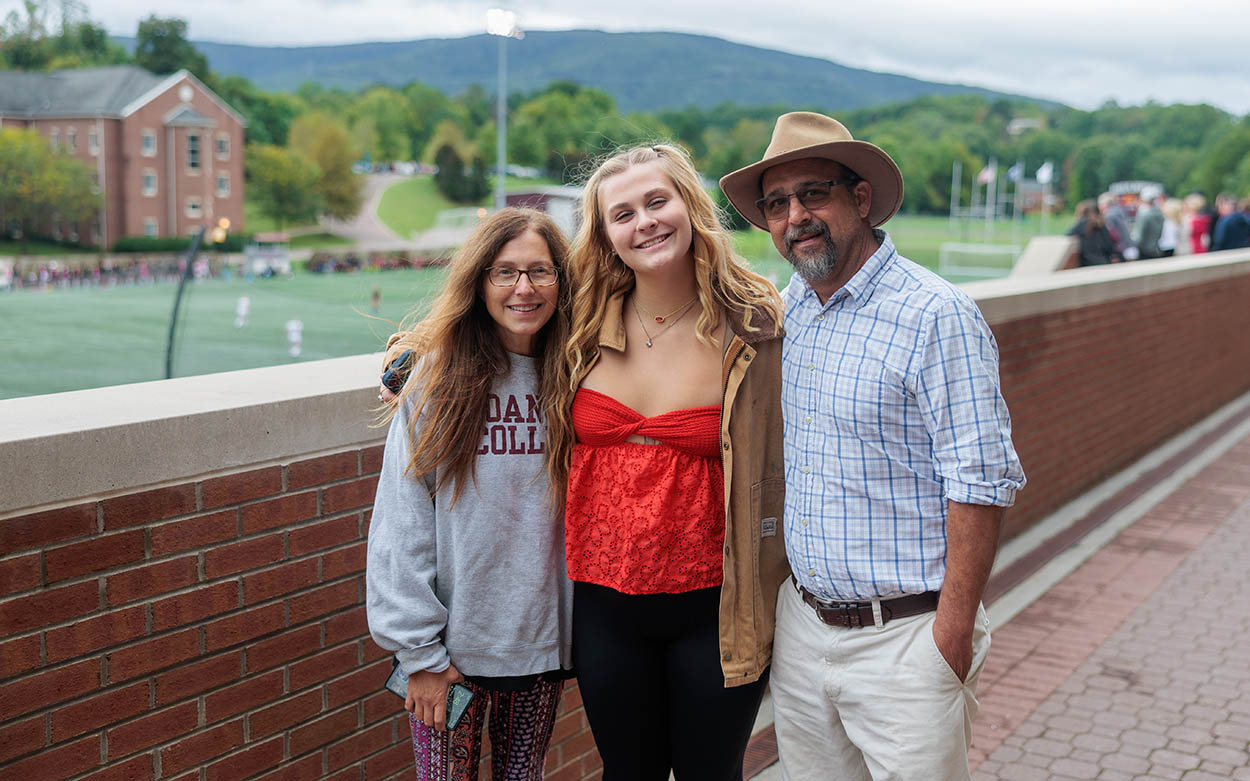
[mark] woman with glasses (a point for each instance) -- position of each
(465, 576)
(675, 489)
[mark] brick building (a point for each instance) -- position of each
(167, 153)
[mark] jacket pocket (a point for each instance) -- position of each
(768, 500)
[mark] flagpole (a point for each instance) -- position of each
(957, 169)
(1015, 208)
(991, 191)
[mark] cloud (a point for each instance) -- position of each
(1073, 51)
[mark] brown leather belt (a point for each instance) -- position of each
(856, 614)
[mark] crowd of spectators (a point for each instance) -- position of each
(55, 274)
(1149, 224)
(348, 261)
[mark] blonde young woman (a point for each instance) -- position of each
(465, 574)
(675, 488)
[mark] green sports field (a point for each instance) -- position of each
(59, 340)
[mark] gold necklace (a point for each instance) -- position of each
(662, 318)
(643, 324)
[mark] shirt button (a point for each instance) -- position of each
(807, 470)
(804, 521)
(811, 367)
(726, 445)
(807, 419)
(727, 656)
(820, 317)
(811, 572)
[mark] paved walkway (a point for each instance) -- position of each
(1136, 665)
(367, 227)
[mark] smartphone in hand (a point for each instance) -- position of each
(458, 695)
(397, 373)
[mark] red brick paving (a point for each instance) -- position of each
(1137, 664)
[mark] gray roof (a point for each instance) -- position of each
(90, 92)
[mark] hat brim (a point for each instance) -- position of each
(868, 161)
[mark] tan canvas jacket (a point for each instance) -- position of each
(751, 451)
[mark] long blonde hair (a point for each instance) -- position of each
(462, 357)
(598, 273)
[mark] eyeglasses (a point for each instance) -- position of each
(812, 195)
(505, 276)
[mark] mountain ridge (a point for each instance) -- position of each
(643, 71)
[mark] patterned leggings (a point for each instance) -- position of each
(520, 731)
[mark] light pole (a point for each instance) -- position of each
(503, 24)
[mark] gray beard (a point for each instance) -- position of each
(818, 266)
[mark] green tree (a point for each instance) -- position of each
(457, 182)
(24, 43)
(38, 184)
(391, 114)
(326, 143)
(1215, 173)
(269, 114)
(282, 183)
(161, 46)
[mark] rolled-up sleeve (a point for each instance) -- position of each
(959, 395)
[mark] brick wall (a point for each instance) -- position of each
(208, 629)
(1092, 389)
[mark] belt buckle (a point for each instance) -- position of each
(850, 611)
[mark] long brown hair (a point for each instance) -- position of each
(723, 282)
(462, 357)
(1089, 212)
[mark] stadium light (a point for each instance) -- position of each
(504, 25)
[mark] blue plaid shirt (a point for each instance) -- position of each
(892, 408)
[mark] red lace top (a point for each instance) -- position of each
(642, 518)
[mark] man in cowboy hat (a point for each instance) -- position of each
(899, 463)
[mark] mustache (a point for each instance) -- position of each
(800, 232)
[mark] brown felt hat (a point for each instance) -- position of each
(802, 134)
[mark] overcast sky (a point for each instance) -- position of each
(1075, 51)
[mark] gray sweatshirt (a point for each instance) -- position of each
(482, 584)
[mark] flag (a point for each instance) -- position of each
(987, 174)
(1016, 172)
(1046, 172)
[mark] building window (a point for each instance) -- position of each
(149, 182)
(54, 138)
(93, 142)
(73, 233)
(193, 153)
(149, 227)
(149, 143)
(95, 233)
(223, 185)
(194, 208)
(95, 183)
(56, 230)
(223, 146)
(71, 139)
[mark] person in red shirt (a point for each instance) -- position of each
(675, 399)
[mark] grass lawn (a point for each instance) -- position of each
(413, 204)
(61, 340)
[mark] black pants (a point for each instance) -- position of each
(648, 667)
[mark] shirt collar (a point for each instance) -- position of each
(860, 286)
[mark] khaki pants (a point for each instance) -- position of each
(870, 702)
